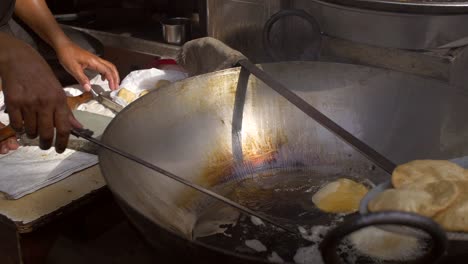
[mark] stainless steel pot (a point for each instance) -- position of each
(176, 30)
(409, 6)
(186, 128)
(384, 26)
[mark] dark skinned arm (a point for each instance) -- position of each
(34, 98)
(74, 59)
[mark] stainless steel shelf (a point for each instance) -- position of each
(131, 43)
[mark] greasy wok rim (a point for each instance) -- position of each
(409, 7)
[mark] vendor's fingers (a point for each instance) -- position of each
(105, 71)
(30, 123)
(74, 122)
(63, 127)
(46, 128)
(115, 74)
(16, 119)
(78, 73)
(3, 148)
(12, 143)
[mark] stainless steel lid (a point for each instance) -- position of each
(369, 25)
(409, 6)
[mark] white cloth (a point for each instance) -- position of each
(95, 107)
(145, 80)
(29, 169)
(3, 116)
(92, 106)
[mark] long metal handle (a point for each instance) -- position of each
(87, 134)
(311, 111)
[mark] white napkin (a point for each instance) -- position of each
(145, 80)
(29, 169)
(3, 116)
(92, 106)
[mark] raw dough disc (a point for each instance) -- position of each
(340, 196)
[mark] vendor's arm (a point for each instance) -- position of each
(34, 98)
(74, 59)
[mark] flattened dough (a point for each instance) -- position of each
(455, 217)
(422, 198)
(427, 171)
(340, 196)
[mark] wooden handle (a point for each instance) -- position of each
(74, 102)
(6, 133)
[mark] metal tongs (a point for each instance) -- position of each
(103, 97)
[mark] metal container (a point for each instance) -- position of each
(412, 25)
(186, 128)
(405, 30)
(409, 6)
(176, 30)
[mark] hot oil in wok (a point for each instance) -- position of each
(285, 196)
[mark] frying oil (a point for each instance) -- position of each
(285, 196)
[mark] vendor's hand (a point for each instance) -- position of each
(35, 101)
(75, 59)
(9, 144)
